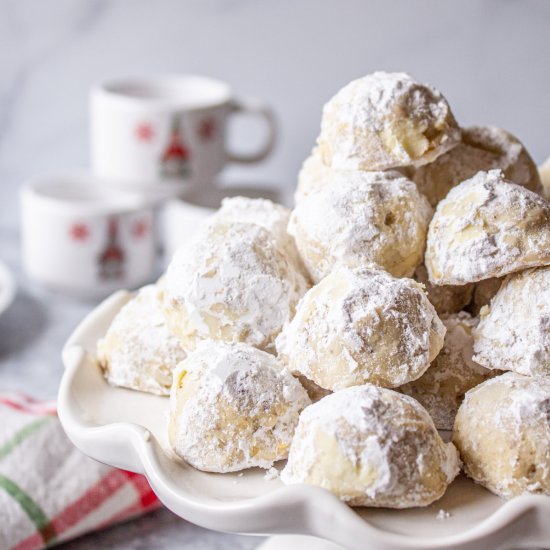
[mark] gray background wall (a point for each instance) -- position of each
(491, 59)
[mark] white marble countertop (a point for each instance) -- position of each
(32, 332)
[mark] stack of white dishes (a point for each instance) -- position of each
(157, 145)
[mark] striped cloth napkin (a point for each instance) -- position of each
(49, 491)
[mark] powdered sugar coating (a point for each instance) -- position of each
(444, 298)
(371, 447)
(231, 282)
(452, 373)
(273, 217)
(502, 431)
(313, 175)
(514, 330)
(362, 325)
(386, 120)
(481, 148)
(233, 407)
(487, 227)
(361, 218)
(137, 351)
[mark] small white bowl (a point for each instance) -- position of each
(127, 429)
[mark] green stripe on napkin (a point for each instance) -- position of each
(22, 434)
(31, 508)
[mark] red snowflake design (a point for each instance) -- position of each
(79, 232)
(206, 129)
(145, 131)
(140, 229)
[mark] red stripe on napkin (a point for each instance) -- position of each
(28, 408)
(147, 497)
(94, 497)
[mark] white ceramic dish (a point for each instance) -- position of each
(126, 429)
(7, 288)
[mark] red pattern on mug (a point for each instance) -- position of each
(140, 229)
(112, 258)
(145, 131)
(174, 162)
(206, 129)
(79, 232)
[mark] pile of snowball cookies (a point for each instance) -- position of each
(407, 292)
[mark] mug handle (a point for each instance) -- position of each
(255, 107)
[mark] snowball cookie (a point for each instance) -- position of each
(453, 372)
(362, 325)
(361, 218)
(481, 148)
(386, 120)
(274, 217)
(514, 330)
(487, 227)
(233, 407)
(230, 282)
(138, 352)
(503, 435)
(483, 293)
(371, 447)
(444, 298)
(313, 175)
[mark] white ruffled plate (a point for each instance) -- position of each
(126, 429)
(7, 288)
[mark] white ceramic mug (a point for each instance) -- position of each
(167, 130)
(86, 239)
